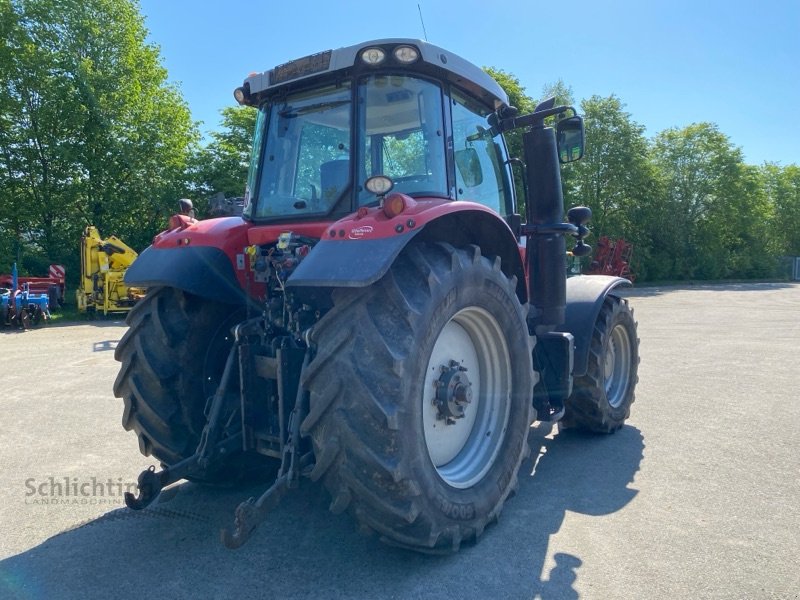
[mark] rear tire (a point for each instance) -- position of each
(601, 399)
(383, 445)
(172, 356)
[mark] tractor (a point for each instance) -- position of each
(379, 319)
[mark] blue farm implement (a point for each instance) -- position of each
(19, 306)
(54, 285)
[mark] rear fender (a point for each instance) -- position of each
(357, 252)
(585, 297)
(204, 258)
(201, 270)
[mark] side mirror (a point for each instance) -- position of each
(569, 134)
(469, 167)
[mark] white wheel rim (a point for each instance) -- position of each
(463, 452)
(617, 366)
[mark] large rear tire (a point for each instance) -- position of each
(601, 399)
(172, 356)
(420, 398)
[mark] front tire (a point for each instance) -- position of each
(601, 399)
(420, 398)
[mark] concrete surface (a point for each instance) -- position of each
(697, 497)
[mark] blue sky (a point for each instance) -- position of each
(672, 63)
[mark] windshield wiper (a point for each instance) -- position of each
(311, 108)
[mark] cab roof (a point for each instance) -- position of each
(432, 60)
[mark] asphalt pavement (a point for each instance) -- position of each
(698, 496)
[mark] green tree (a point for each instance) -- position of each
(560, 91)
(92, 131)
(615, 178)
(515, 90)
(221, 166)
(782, 189)
(716, 205)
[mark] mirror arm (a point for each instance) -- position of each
(534, 119)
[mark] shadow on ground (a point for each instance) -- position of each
(172, 549)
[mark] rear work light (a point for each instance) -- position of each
(379, 185)
(373, 56)
(406, 54)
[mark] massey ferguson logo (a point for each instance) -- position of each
(359, 232)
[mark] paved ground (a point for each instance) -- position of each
(697, 497)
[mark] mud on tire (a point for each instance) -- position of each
(601, 399)
(382, 446)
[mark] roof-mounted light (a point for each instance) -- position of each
(406, 54)
(239, 95)
(373, 56)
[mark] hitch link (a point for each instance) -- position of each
(151, 482)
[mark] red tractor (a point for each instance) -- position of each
(379, 318)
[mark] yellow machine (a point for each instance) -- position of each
(103, 266)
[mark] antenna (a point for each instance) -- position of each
(421, 20)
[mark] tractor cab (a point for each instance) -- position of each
(403, 110)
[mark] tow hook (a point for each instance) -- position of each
(149, 485)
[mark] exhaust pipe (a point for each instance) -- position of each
(546, 255)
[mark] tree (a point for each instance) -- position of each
(221, 166)
(615, 178)
(782, 189)
(560, 91)
(92, 131)
(513, 88)
(716, 204)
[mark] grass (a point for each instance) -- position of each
(69, 313)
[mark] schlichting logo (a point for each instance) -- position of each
(74, 491)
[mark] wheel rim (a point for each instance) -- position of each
(463, 449)
(617, 366)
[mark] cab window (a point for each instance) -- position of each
(305, 167)
(481, 173)
(402, 135)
